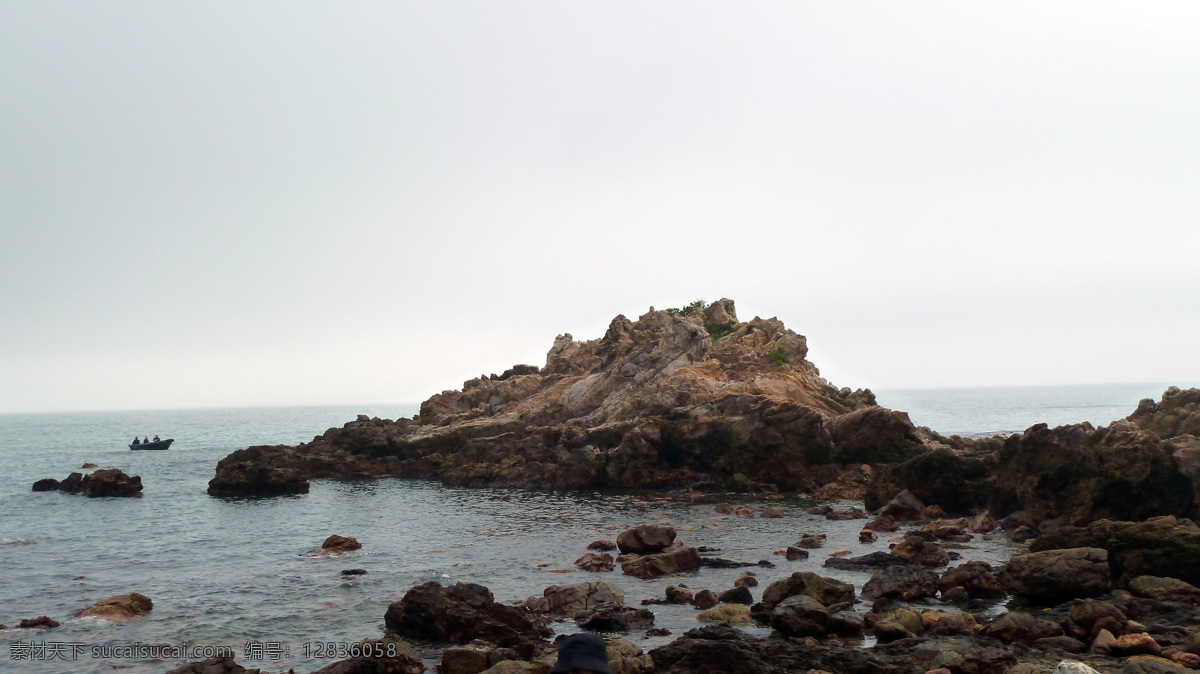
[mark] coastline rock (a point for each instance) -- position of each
(473, 658)
(225, 665)
(726, 614)
(562, 600)
(335, 545)
(100, 483)
(462, 614)
(1177, 413)
(874, 435)
(705, 599)
(1156, 587)
(730, 651)
(800, 616)
(874, 560)
(40, 622)
(663, 563)
(827, 591)
(614, 618)
(902, 583)
(1022, 628)
(811, 541)
(737, 595)
(596, 563)
(669, 400)
(603, 545)
(1057, 575)
(1160, 546)
(975, 578)
(121, 606)
(678, 594)
(915, 549)
(645, 539)
(904, 506)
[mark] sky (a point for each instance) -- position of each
(227, 204)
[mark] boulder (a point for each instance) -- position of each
(645, 539)
(473, 658)
(101, 483)
(678, 594)
(389, 654)
(800, 616)
(705, 599)
(593, 562)
(1022, 628)
(221, 665)
(902, 583)
(603, 545)
(562, 600)
(652, 566)
(47, 484)
(40, 622)
(915, 549)
(1087, 617)
(874, 560)
(883, 523)
(121, 606)
(810, 540)
(461, 614)
(336, 544)
(259, 471)
(827, 591)
(793, 553)
(1156, 587)
(904, 506)
(976, 579)
(1057, 575)
(737, 595)
(874, 435)
(725, 614)
(626, 657)
(614, 618)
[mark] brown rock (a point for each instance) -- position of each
(593, 562)
(461, 614)
(884, 523)
(121, 606)
(1056, 575)
(1017, 627)
(904, 506)
(336, 544)
(810, 540)
(1135, 644)
(389, 654)
(723, 509)
(705, 599)
(40, 622)
(867, 536)
(975, 578)
(1156, 587)
(746, 580)
(652, 566)
(915, 549)
(646, 539)
(794, 553)
(603, 545)
(737, 595)
(560, 600)
(89, 465)
(771, 513)
(678, 594)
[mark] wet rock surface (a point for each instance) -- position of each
(100, 483)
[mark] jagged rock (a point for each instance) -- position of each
(1177, 413)
(800, 616)
(652, 566)
(1056, 575)
(389, 655)
(874, 435)
(596, 563)
(121, 606)
(914, 548)
(677, 594)
(1134, 644)
(667, 400)
(904, 506)
(976, 579)
(1017, 627)
(810, 540)
(828, 591)
(1161, 546)
(645, 539)
(903, 583)
(561, 600)
(614, 618)
(1087, 617)
(100, 483)
(461, 614)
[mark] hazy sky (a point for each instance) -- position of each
(276, 203)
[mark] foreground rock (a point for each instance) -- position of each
(226, 665)
(653, 566)
(683, 398)
(731, 651)
(121, 606)
(100, 483)
(461, 614)
(1056, 575)
(564, 600)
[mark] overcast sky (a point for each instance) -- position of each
(277, 203)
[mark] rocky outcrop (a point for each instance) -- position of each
(121, 606)
(671, 399)
(652, 566)
(1078, 473)
(563, 600)
(1176, 414)
(336, 545)
(614, 618)
(645, 539)
(105, 482)
(1054, 575)
(461, 614)
(1161, 546)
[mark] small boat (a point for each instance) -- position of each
(155, 444)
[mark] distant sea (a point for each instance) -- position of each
(239, 573)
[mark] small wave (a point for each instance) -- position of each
(18, 541)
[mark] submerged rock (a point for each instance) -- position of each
(336, 544)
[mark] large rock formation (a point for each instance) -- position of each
(676, 398)
(105, 482)
(1124, 471)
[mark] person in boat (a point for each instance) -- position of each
(146, 441)
(156, 439)
(136, 441)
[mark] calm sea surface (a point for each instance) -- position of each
(238, 572)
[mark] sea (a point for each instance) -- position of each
(239, 575)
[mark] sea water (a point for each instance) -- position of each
(240, 573)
